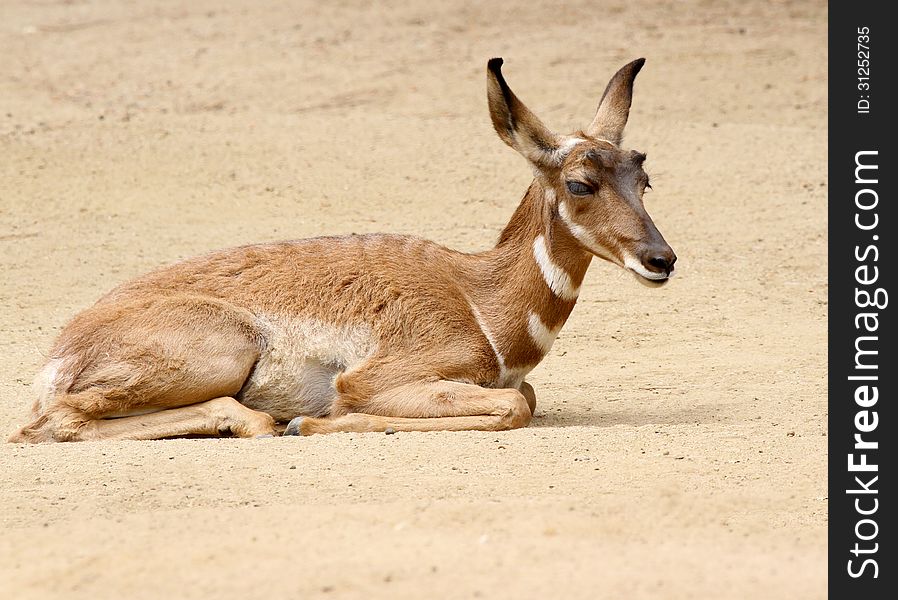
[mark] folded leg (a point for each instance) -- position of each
(220, 416)
(426, 406)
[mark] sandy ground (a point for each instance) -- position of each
(678, 450)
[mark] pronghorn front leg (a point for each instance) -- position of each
(530, 395)
(426, 406)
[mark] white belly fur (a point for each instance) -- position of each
(296, 370)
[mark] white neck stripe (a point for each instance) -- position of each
(488, 334)
(542, 336)
(555, 276)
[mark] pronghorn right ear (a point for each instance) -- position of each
(614, 107)
(515, 124)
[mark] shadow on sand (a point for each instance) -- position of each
(636, 416)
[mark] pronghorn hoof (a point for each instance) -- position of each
(293, 427)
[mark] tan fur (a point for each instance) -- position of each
(358, 333)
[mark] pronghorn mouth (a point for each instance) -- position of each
(644, 276)
(650, 279)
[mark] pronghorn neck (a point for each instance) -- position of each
(528, 284)
(536, 231)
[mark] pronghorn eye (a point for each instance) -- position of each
(579, 189)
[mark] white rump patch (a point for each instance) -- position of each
(583, 235)
(542, 336)
(555, 276)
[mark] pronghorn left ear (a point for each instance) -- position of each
(515, 124)
(614, 107)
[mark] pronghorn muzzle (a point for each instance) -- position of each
(659, 260)
(654, 259)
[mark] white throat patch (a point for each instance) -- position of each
(554, 275)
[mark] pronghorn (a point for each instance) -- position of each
(363, 332)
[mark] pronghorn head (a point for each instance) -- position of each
(591, 184)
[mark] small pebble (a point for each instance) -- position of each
(389, 431)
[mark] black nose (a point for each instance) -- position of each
(662, 262)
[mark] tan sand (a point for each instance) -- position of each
(678, 449)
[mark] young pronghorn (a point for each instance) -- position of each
(362, 332)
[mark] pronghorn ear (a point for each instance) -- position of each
(614, 107)
(515, 124)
